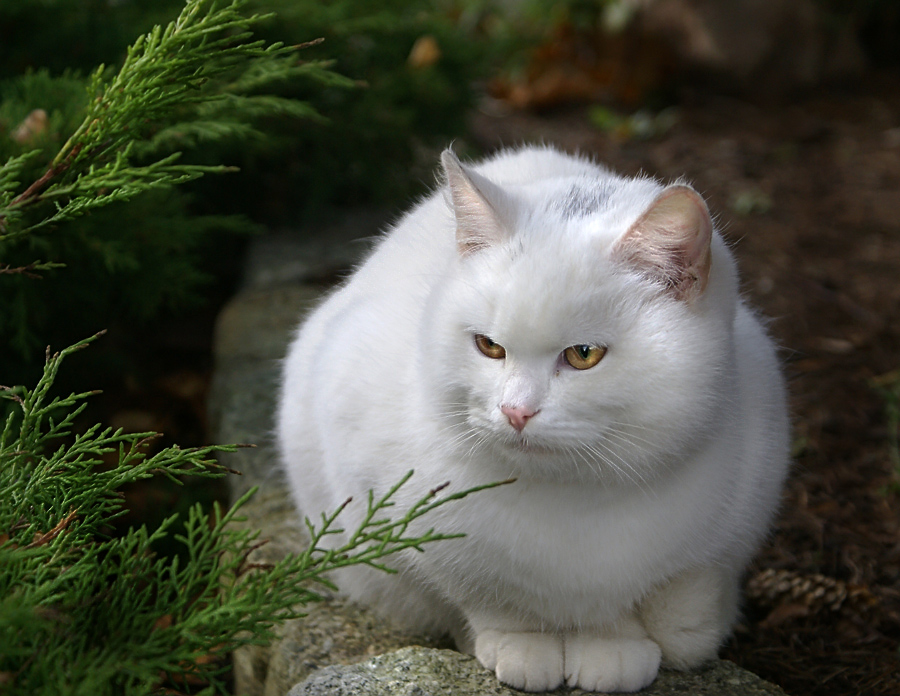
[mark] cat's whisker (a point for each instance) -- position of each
(628, 430)
(642, 446)
(461, 438)
(596, 462)
(621, 466)
(623, 433)
(587, 460)
(462, 435)
(480, 440)
(625, 439)
(604, 458)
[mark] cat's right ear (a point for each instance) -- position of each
(478, 204)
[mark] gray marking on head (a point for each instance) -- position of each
(583, 199)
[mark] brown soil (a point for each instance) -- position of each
(809, 194)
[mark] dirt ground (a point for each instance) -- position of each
(809, 195)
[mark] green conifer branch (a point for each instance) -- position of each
(83, 612)
(196, 79)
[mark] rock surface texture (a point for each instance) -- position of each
(338, 648)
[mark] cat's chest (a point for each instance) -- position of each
(546, 554)
(561, 524)
(577, 538)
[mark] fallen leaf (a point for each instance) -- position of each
(786, 611)
(425, 52)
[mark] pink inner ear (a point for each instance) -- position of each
(478, 224)
(671, 241)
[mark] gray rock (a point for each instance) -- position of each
(333, 633)
(292, 257)
(428, 672)
(338, 647)
(251, 336)
(258, 323)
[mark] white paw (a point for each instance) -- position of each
(611, 664)
(526, 661)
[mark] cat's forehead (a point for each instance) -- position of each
(551, 295)
(553, 279)
(598, 203)
(581, 199)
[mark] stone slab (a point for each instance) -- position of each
(429, 672)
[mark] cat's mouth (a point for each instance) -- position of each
(528, 446)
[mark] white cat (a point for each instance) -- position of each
(545, 319)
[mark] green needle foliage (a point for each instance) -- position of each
(85, 613)
(191, 78)
(82, 609)
(202, 79)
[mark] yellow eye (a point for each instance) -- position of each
(489, 348)
(584, 357)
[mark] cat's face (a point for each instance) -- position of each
(571, 374)
(565, 362)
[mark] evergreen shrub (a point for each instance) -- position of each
(82, 610)
(103, 155)
(86, 613)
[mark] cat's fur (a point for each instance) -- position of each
(644, 484)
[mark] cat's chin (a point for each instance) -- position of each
(558, 463)
(537, 460)
(524, 445)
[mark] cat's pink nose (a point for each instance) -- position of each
(518, 415)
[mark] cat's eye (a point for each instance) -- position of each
(584, 356)
(489, 348)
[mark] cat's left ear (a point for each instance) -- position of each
(671, 241)
(480, 206)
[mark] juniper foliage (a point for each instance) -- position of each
(202, 78)
(383, 138)
(82, 612)
(192, 80)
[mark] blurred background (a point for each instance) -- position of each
(784, 114)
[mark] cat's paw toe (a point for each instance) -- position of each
(486, 644)
(597, 664)
(526, 661)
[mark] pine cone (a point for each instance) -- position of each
(807, 594)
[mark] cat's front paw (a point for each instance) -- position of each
(610, 664)
(526, 661)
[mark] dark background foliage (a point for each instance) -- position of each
(133, 262)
